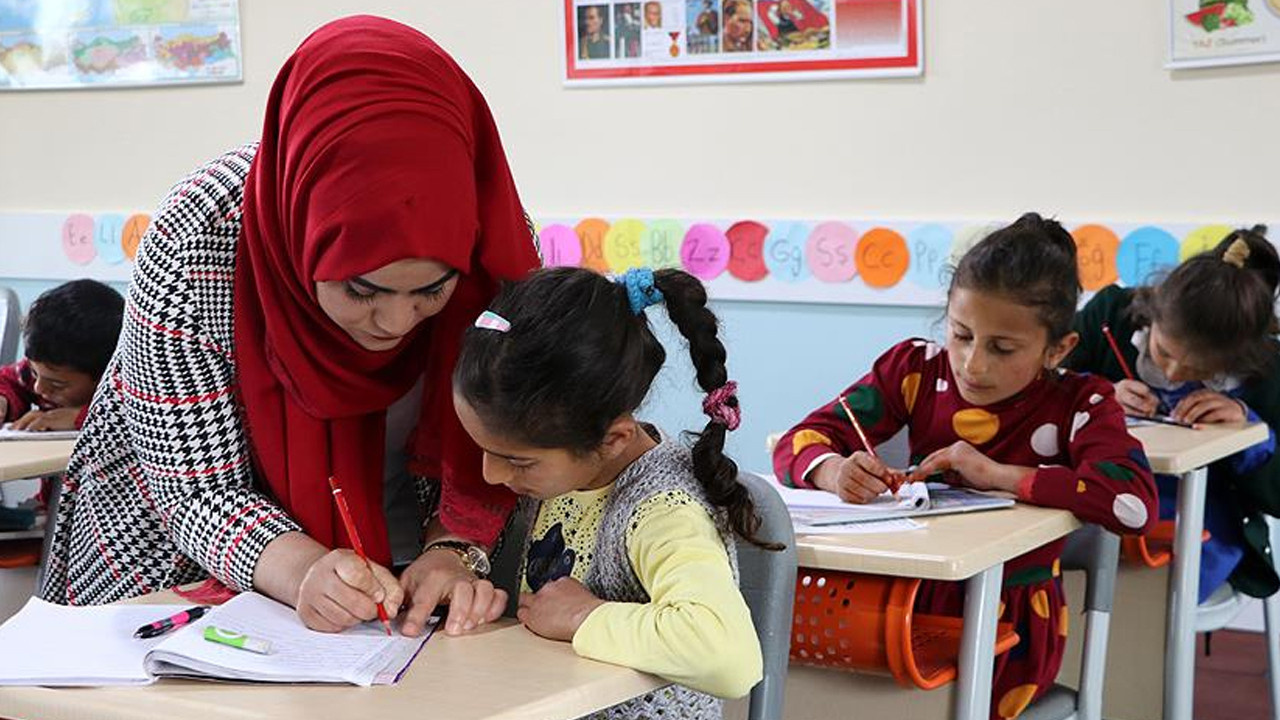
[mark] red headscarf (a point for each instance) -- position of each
(376, 148)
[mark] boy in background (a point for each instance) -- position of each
(69, 335)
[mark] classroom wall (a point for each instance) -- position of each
(1024, 104)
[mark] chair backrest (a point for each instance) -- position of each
(505, 570)
(1096, 552)
(895, 452)
(768, 583)
(10, 325)
(767, 579)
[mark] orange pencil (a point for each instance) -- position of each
(345, 513)
(857, 426)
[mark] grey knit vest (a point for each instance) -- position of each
(667, 468)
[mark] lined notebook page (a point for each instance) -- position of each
(911, 496)
(363, 655)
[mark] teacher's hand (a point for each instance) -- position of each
(438, 576)
(341, 590)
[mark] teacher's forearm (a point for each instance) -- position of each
(283, 565)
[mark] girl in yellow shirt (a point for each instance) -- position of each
(631, 556)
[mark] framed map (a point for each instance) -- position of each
(112, 43)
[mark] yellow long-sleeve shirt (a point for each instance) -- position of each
(696, 629)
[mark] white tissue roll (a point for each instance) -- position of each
(917, 493)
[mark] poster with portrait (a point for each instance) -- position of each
(1211, 33)
(669, 41)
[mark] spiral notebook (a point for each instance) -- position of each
(816, 508)
(94, 646)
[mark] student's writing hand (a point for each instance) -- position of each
(438, 576)
(558, 609)
(966, 463)
(858, 478)
(55, 419)
(1136, 398)
(341, 590)
(1208, 407)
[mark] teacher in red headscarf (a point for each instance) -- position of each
(294, 315)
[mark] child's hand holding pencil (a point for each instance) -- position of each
(862, 476)
(1136, 398)
(859, 478)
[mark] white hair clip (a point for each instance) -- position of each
(490, 320)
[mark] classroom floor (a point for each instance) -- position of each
(1231, 684)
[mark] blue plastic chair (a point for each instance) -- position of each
(768, 582)
(10, 325)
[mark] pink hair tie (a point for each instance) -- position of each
(717, 407)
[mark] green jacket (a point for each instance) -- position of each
(1254, 493)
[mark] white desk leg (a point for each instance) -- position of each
(1184, 585)
(1271, 617)
(978, 644)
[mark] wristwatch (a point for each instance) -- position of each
(473, 556)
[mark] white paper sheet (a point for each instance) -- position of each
(47, 644)
(863, 528)
(8, 433)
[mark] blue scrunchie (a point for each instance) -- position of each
(640, 290)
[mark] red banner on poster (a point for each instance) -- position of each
(664, 41)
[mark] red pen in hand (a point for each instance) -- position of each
(345, 513)
(893, 482)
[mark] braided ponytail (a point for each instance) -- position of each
(686, 302)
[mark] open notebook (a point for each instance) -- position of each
(816, 508)
(8, 433)
(47, 644)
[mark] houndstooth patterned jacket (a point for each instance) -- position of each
(159, 490)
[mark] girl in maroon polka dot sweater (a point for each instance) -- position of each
(993, 411)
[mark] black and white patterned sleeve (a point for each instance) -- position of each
(175, 382)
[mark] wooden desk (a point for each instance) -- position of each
(950, 547)
(1187, 453)
(1175, 450)
(972, 547)
(21, 459)
(502, 673)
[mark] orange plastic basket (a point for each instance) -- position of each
(20, 553)
(1154, 549)
(867, 623)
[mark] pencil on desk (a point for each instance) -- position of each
(345, 513)
(1163, 420)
